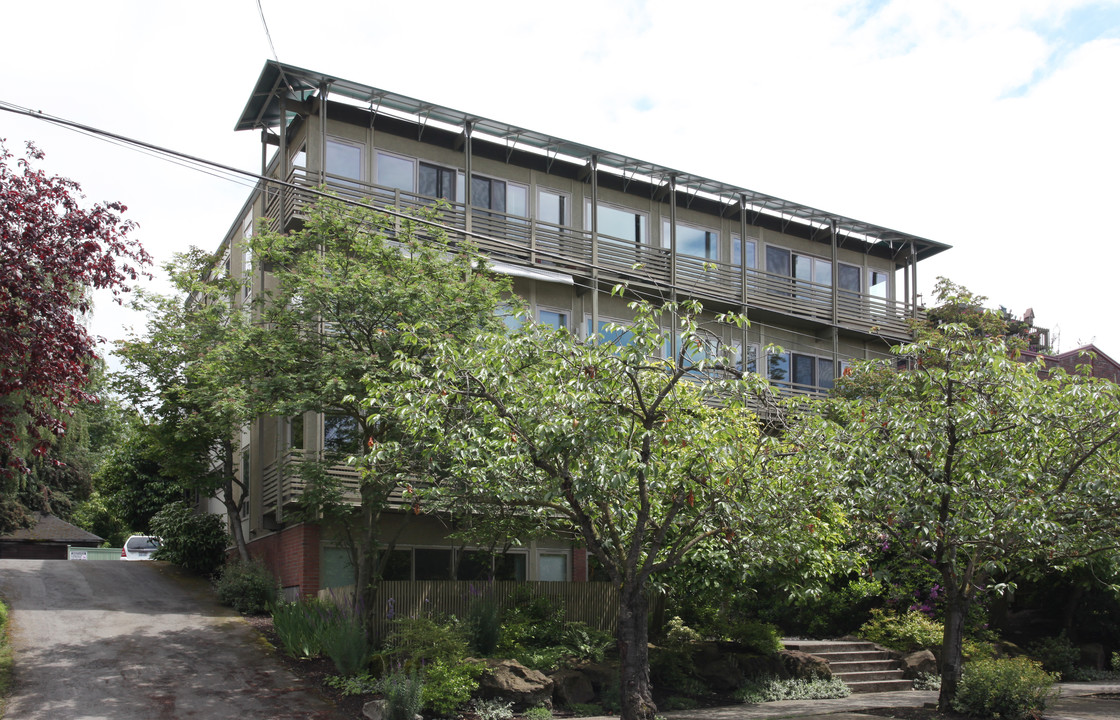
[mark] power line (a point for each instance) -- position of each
(267, 34)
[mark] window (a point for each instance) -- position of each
(299, 158)
(512, 320)
(619, 223)
(344, 160)
(849, 279)
(558, 319)
(396, 172)
(620, 336)
(398, 566)
(484, 565)
(552, 207)
(341, 435)
(804, 372)
(553, 567)
(500, 196)
(694, 241)
(438, 182)
(878, 285)
(247, 260)
(432, 563)
(737, 252)
(295, 432)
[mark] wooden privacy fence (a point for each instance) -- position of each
(595, 603)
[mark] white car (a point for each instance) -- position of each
(139, 547)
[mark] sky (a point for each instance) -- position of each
(989, 125)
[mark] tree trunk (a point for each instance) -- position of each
(233, 505)
(956, 607)
(633, 654)
(368, 562)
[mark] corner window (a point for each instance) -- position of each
(295, 432)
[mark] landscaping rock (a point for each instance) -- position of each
(916, 663)
(571, 686)
(511, 681)
(803, 666)
(721, 675)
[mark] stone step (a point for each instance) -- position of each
(861, 656)
(873, 686)
(862, 666)
(866, 675)
(816, 647)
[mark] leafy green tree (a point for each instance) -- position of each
(341, 292)
(972, 461)
(646, 460)
(187, 374)
(131, 482)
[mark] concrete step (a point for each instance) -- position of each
(859, 656)
(874, 686)
(816, 647)
(862, 666)
(865, 676)
(859, 665)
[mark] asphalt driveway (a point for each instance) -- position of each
(132, 640)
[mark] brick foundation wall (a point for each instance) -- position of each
(293, 557)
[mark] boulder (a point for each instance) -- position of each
(722, 675)
(916, 663)
(803, 666)
(511, 681)
(571, 686)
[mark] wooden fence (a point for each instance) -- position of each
(595, 603)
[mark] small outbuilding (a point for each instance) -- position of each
(47, 539)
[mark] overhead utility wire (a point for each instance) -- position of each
(267, 34)
(251, 179)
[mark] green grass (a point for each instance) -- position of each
(5, 660)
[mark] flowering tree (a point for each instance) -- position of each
(53, 251)
(646, 460)
(971, 462)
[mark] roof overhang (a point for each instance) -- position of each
(281, 88)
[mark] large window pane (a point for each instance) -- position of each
(552, 207)
(517, 200)
(778, 367)
(849, 278)
(622, 224)
(826, 376)
(432, 564)
(437, 182)
(553, 568)
(398, 566)
(341, 435)
(777, 261)
(556, 319)
(697, 241)
(473, 565)
(396, 172)
(344, 160)
(879, 284)
(804, 370)
(737, 252)
(510, 566)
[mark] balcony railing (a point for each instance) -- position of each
(282, 483)
(533, 243)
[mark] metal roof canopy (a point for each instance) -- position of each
(296, 84)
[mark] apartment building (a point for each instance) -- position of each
(566, 222)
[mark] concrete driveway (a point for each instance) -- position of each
(132, 640)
